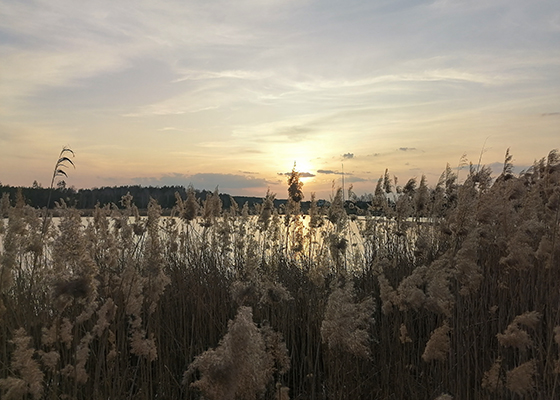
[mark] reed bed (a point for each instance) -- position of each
(455, 293)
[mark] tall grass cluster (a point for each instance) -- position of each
(453, 294)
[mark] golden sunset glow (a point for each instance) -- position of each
(178, 94)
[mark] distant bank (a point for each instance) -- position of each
(87, 199)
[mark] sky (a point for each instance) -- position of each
(233, 93)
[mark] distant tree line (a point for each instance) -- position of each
(86, 199)
(37, 196)
(388, 199)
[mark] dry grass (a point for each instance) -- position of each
(456, 294)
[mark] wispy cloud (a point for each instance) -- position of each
(294, 129)
(26, 72)
(301, 174)
(236, 74)
(169, 128)
(435, 75)
(330, 172)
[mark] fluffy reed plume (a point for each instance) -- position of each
(409, 292)
(557, 335)
(191, 206)
(492, 379)
(267, 210)
(12, 244)
(295, 186)
(62, 162)
(105, 315)
(239, 368)
(338, 245)
(439, 344)
(4, 209)
(444, 396)
(82, 355)
(387, 294)
(469, 274)
(14, 388)
(276, 349)
(346, 323)
(297, 236)
(211, 209)
(529, 319)
(49, 359)
(521, 380)
(440, 299)
(404, 337)
(335, 213)
(514, 336)
(255, 288)
(155, 278)
(523, 247)
(273, 293)
(30, 380)
(75, 270)
(140, 344)
(315, 218)
(65, 333)
(112, 355)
